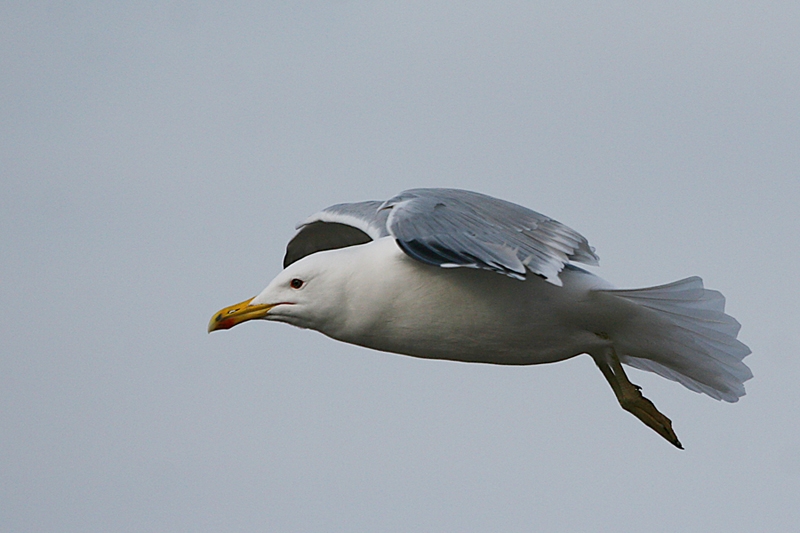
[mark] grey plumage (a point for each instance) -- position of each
(450, 228)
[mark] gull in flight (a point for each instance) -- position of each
(458, 275)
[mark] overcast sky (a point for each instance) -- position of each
(155, 158)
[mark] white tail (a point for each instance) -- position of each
(682, 333)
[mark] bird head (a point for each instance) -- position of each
(304, 294)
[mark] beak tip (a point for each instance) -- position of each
(236, 314)
(213, 324)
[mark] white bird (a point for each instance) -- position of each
(446, 274)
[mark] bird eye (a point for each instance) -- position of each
(296, 283)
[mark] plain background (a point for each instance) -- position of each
(155, 156)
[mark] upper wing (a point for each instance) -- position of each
(336, 227)
(450, 228)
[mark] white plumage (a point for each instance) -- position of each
(385, 275)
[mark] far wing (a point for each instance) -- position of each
(455, 228)
(335, 227)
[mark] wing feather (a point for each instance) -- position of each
(450, 227)
(335, 227)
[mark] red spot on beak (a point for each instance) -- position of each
(227, 323)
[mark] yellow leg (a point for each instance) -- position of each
(631, 399)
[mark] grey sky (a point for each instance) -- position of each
(154, 160)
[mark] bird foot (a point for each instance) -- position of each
(631, 399)
(644, 410)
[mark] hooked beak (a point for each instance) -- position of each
(236, 314)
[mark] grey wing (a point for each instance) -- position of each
(455, 228)
(335, 227)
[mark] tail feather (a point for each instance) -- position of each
(683, 334)
(689, 383)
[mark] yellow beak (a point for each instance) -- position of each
(236, 314)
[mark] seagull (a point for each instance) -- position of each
(461, 276)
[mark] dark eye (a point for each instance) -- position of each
(296, 283)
